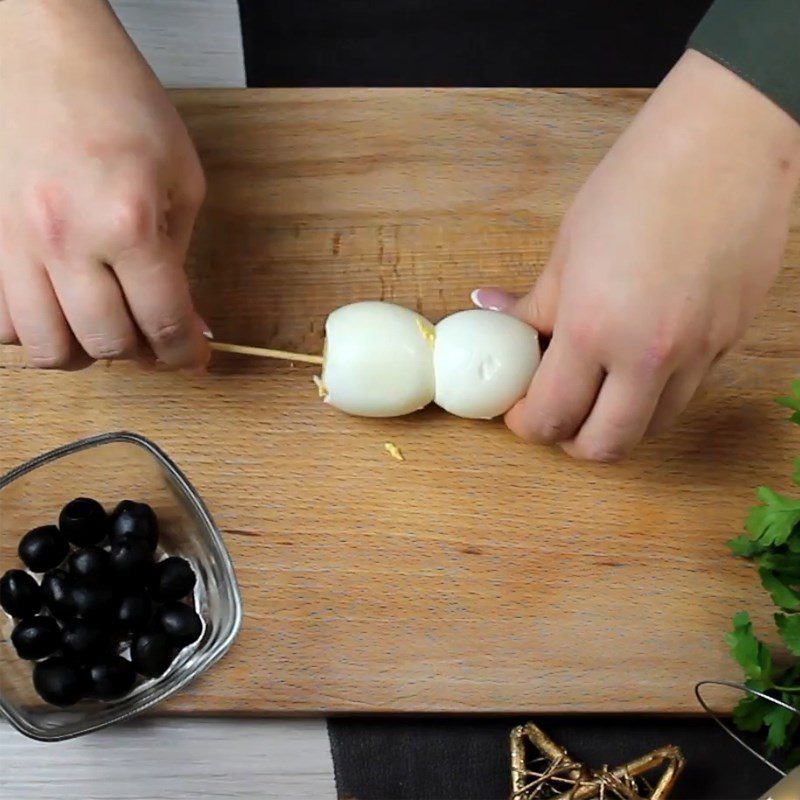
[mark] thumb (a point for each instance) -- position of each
(537, 307)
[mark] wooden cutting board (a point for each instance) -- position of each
(481, 574)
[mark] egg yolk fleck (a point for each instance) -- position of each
(427, 330)
(322, 389)
(394, 451)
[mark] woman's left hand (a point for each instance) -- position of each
(661, 262)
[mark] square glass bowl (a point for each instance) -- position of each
(110, 468)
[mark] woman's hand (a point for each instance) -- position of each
(661, 262)
(99, 188)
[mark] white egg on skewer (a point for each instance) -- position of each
(384, 360)
(378, 360)
(483, 362)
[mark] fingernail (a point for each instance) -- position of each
(206, 328)
(492, 299)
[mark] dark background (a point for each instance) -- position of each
(468, 759)
(464, 42)
(488, 43)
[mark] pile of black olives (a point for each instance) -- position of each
(103, 596)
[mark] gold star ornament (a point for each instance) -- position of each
(543, 770)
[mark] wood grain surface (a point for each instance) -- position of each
(481, 574)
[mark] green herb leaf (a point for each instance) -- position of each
(782, 594)
(789, 629)
(773, 522)
(778, 719)
(750, 712)
(792, 402)
(787, 565)
(746, 547)
(774, 545)
(753, 656)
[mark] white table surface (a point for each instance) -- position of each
(189, 43)
(178, 759)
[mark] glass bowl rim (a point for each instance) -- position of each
(211, 656)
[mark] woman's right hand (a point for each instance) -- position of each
(99, 189)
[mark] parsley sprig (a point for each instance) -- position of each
(772, 542)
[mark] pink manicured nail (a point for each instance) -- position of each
(492, 299)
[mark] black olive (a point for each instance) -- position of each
(20, 595)
(134, 612)
(172, 579)
(90, 565)
(36, 637)
(180, 622)
(152, 653)
(85, 641)
(59, 682)
(93, 602)
(43, 548)
(112, 678)
(84, 522)
(131, 561)
(57, 588)
(131, 520)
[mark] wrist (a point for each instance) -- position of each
(734, 115)
(54, 6)
(706, 118)
(39, 16)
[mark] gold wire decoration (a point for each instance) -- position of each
(550, 773)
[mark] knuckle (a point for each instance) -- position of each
(586, 333)
(102, 347)
(659, 354)
(49, 356)
(605, 452)
(169, 331)
(132, 218)
(47, 215)
(549, 429)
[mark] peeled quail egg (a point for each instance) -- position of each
(377, 360)
(483, 362)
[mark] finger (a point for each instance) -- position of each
(40, 324)
(560, 397)
(492, 298)
(7, 333)
(157, 293)
(540, 306)
(537, 308)
(95, 309)
(677, 394)
(619, 418)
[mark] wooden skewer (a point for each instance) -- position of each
(263, 352)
